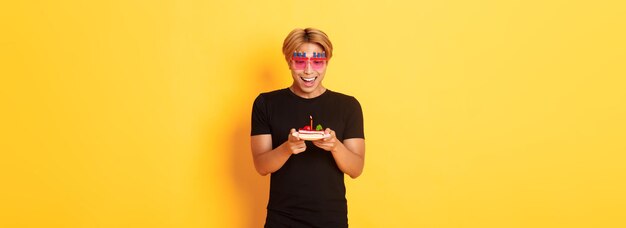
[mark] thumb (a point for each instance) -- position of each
(293, 135)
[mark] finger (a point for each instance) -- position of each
(328, 131)
(323, 147)
(319, 143)
(299, 150)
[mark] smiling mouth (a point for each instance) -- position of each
(308, 79)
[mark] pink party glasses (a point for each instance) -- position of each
(300, 61)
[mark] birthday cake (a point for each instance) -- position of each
(307, 132)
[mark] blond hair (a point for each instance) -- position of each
(300, 36)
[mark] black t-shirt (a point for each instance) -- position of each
(309, 187)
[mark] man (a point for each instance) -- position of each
(306, 187)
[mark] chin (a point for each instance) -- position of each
(308, 89)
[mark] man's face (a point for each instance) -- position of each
(308, 72)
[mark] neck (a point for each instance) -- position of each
(313, 94)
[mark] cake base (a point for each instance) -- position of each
(310, 135)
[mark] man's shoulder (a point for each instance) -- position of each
(272, 95)
(275, 93)
(343, 97)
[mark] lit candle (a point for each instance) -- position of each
(311, 117)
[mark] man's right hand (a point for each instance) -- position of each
(294, 144)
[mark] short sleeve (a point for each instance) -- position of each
(354, 120)
(260, 122)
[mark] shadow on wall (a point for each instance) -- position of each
(253, 188)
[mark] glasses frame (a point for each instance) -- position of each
(308, 62)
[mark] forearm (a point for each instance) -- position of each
(271, 161)
(348, 162)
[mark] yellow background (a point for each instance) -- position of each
(477, 113)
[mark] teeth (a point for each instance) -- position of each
(308, 79)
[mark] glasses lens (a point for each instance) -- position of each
(301, 63)
(318, 64)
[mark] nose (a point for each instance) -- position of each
(308, 69)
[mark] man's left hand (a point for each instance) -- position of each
(329, 143)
